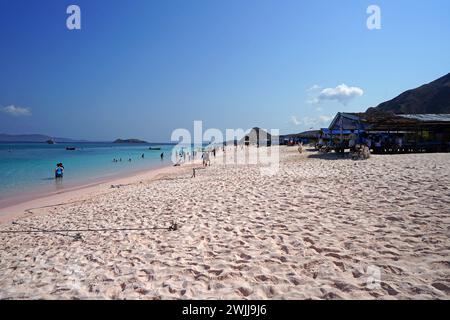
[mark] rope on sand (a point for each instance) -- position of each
(29, 211)
(78, 236)
(37, 230)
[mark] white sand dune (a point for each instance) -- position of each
(319, 229)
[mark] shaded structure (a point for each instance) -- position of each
(304, 137)
(387, 132)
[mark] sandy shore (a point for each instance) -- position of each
(78, 193)
(321, 228)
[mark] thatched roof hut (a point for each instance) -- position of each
(257, 136)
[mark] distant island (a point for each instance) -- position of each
(42, 138)
(129, 141)
(11, 138)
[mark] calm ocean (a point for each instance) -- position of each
(29, 167)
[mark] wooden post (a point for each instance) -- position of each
(342, 134)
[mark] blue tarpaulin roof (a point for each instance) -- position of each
(348, 121)
(335, 132)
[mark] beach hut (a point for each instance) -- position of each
(258, 137)
(304, 137)
(347, 121)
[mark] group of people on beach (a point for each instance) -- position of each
(378, 143)
(142, 157)
(59, 170)
(120, 160)
(182, 156)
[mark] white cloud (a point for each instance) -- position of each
(314, 88)
(312, 101)
(312, 94)
(341, 93)
(311, 122)
(325, 119)
(295, 121)
(16, 111)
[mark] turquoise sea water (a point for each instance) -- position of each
(29, 167)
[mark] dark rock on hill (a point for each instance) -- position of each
(433, 97)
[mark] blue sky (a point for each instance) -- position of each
(144, 68)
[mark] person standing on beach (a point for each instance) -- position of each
(206, 160)
(59, 171)
(162, 156)
(353, 140)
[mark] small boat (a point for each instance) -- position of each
(154, 148)
(50, 141)
(71, 148)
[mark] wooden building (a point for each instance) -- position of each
(398, 132)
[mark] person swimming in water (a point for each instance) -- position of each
(59, 171)
(162, 156)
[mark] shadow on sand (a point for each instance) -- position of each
(330, 156)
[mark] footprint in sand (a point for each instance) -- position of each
(442, 287)
(245, 256)
(244, 291)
